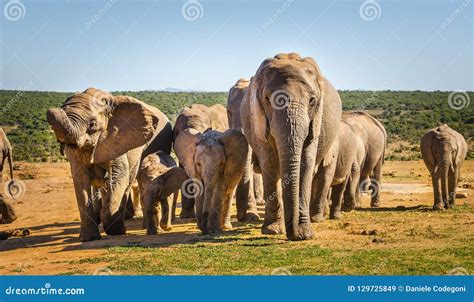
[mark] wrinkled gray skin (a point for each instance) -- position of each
(103, 137)
(216, 160)
(374, 137)
(340, 172)
(250, 186)
(290, 136)
(159, 180)
(6, 208)
(444, 150)
(198, 118)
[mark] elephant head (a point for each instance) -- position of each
(216, 161)
(101, 135)
(102, 126)
(296, 111)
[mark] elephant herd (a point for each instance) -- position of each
(283, 140)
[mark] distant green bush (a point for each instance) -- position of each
(406, 115)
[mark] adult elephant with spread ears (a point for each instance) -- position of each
(103, 137)
(290, 116)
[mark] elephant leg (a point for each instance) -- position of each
(96, 203)
(244, 194)
(187, 205)
(258, 188)
(351, 192)
(199, 206)
(320, 191)
(225, 216)
(7, 211)
(273, 222)
(83, 189)
(438, 202)
(452, 186)
(336, 197)
(173, 209)
(166, 209)
(377, 184)
(151, 213)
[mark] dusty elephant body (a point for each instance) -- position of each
(215, 162)
(159, 180)
(250, 186)
(198, 118)
(374, 137)
(103, 137)
(6, 208)
(290, 116)
(340, 172)
(444, 150)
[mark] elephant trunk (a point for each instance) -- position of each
(444, 184)
(63, 129)
(290, 138)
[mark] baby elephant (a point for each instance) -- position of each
(216, 161)
(158, 179)
(444, 150)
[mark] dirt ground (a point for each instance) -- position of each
(48, 208)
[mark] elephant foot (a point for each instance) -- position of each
(375, 204)
(89, 236)
(304, 231)
(335, 215)
(227, 226)
(152, 231)
(185, 214)
(438, 207)
(252, 216)
(115, 228)
(273, 228)
(317, 218)
(166, 227)
(348, 208)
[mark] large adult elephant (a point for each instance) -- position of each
(198, 118)
(247, 193)
(6, 208)
(444, 150)
(374, 137)
(290, 116)
(103, 137)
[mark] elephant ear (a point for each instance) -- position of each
(261, 131)
(174, 179)
(185, 148)
(236, 149)
(131, 125)
(427, 151)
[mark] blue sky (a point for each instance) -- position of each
(138, 45)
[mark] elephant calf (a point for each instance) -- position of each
(444, 150)
(215, 160)
(340, 170)
(159, 180)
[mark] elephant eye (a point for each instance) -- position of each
(92, 126)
